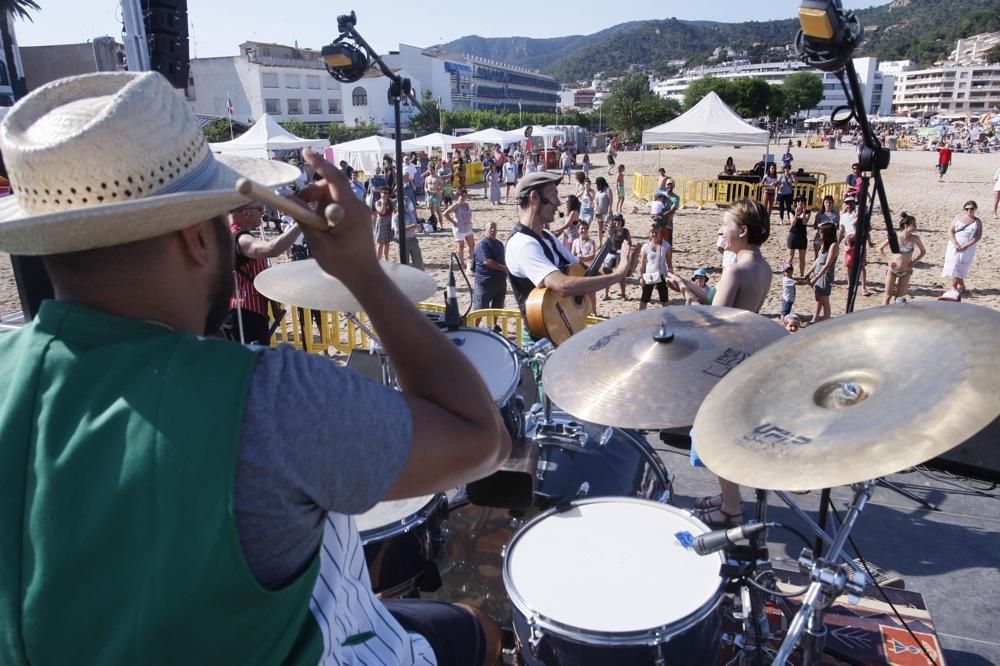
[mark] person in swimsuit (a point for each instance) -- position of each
(798, 234)
(897, 276)
(770, 184)
(620, 182)
(571, 229)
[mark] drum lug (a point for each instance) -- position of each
(535, 636)
(607, 436)
(583, 490)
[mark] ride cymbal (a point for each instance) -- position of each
(652, 369)
(305, 285)
(855, 398)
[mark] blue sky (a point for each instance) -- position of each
(219, 26)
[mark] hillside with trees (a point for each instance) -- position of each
(920, 30)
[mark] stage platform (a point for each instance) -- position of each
(951, 557)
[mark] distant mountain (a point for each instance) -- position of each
(918, 30)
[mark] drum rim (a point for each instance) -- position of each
(407, 524)
(639, 637)
(507, 393)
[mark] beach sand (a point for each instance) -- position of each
(910, 183)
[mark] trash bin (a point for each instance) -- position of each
(832, 143)
(892, 143)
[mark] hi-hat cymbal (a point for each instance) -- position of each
(305, 285)
(617, 373)
(855, 398)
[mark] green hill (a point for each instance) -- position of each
(918, 30)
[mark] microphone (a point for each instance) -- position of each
(712, 542)
(452, 321)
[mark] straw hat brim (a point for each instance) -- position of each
(105, 225)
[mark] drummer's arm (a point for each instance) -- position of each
(255, 248)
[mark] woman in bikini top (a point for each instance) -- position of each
(897, 277)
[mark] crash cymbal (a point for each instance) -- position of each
(855, 398)
(304, 284)
(617, 373)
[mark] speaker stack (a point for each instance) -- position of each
(166, 24)
(977, 456)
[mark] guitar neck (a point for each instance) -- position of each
(598, 261)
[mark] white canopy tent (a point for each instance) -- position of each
(264, 137)
(443, 142)
(494, 136)
(366, 154)
(710, 122)
(548, 135)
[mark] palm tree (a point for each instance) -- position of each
(14, 9)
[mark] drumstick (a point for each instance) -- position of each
(334, 213)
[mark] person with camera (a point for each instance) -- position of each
(619, 236)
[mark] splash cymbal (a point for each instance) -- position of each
(652, 369)
(855, 398)
(305, 285)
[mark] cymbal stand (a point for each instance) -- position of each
(818, 531)
(829, 580)
(388, 379)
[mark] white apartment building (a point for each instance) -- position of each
(465, 82)
(876, 89)
(969, 89)
(972, 50)
(285, 82)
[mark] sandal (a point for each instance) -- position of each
(716, 517)
(708, 502)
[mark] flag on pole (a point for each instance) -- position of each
(229, 105)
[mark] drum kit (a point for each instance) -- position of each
(574, 546)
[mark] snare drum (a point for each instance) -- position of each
(498, 364)
(608, 581)
(401, 539)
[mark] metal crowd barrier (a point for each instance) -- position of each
(710, 191)
(336, 331)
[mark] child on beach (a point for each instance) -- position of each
(787, 291)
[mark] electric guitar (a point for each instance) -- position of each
(558, 317)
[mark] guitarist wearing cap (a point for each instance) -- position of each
(535, 258)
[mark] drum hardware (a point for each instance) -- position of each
(375, 349)
(829, 580)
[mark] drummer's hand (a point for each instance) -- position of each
(345, 251)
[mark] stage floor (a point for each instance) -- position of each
(951, 556)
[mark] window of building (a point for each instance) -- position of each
(332, 83)
(272, 106)
(333, 106)
(359, 97)
(269, 79)
(315, 106)
(295, 107)
(292, 81)
(312, 82)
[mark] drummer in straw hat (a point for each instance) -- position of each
(147, 508)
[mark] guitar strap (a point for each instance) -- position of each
(522, 286)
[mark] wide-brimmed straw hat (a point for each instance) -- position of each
(110, 158)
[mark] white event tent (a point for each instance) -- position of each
(442, 142)
(366, 154)
(494, 136)
(547, 135)
(710, 122)
(266, 135)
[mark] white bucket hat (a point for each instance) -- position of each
(110, 158)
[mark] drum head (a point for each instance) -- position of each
(494, 357)
(393, 512)
(611, 565)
